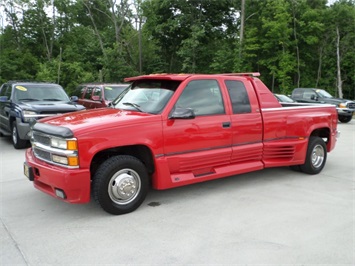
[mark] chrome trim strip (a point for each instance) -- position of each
(40, 115)
(54, 163)
(298, 106)
(51, 150)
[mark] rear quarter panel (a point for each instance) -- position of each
(287, 131)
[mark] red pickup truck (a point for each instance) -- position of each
(170, 130)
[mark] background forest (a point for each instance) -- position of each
(292, 43)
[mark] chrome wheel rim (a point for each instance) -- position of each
(124, 186)
(318, 156)
(14, 135)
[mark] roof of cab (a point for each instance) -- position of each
(181, 77)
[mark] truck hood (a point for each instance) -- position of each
(51, 106)
(96, 119)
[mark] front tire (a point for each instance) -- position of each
(16, 140)
(345, 119)
(316, 156)
(120, 184)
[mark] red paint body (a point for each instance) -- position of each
(187, 151)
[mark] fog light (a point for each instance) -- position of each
(60, 193)
(60, 159)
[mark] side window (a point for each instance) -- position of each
(79, 91)
(297, 94)
(203, 97)
(2, 90)
(88, 93)
(239, 96)
(97, 92)
(309, 95)
(6, 91)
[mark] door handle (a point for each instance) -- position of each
(226, 124)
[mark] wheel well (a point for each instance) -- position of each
(11, 120)
(141, 152)
(323, 133)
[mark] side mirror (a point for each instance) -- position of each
(314, 98)
(182, 113)
(74, 98)
(4, 99)
(95, 98)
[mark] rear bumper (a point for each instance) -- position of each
(75, 183)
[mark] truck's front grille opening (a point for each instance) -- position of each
(55, 150)
(351, 105)
(43, 139)
(44, 155)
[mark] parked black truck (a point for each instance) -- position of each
(345, 108)
(22, 102)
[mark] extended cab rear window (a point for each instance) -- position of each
(238, 96)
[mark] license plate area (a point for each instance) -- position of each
(28, 171)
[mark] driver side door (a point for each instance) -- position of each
(196, 146)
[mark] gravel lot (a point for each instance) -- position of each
(275, 217)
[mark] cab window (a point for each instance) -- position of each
(203, 97)
(238, 96)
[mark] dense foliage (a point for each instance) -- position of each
(292, 43)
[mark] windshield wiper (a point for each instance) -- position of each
(52, 99)
(136, 106)
(28, 99)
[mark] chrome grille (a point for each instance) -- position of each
(40, 138)
(41, 154)
(42, 149)
(351, 105)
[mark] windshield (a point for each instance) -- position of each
(324, 94)
(149, 96)
(112, 91)
(40, 92)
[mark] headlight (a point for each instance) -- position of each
(29, 116)
(342, 105)
(69, 157)
(64, 144)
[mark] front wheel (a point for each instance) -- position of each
(345, 119)
(16, 140)
(316, 156)
(120, 184)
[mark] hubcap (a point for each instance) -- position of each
(124, 186)
(317, 156)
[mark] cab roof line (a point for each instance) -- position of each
(182, 76)
(252, 74)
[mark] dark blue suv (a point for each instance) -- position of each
(22, 102)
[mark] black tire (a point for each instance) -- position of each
(120, 184)
(295, 168)
(16, 140)
(316, 156)
(345, 119)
